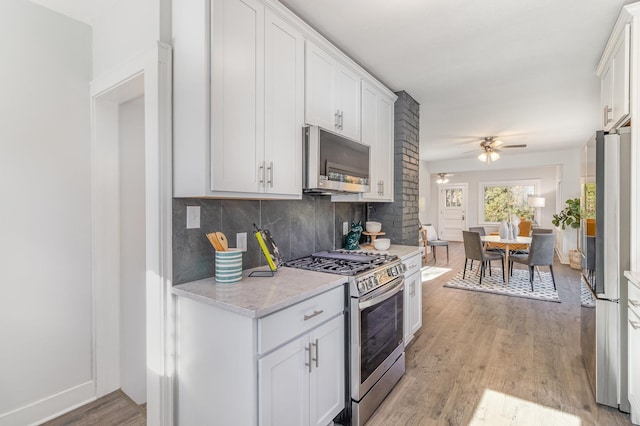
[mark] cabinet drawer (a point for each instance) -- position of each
(634, 298)
(284, 325)
(413, 264)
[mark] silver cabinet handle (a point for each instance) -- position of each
(634, 324)
(308, 349)
(261, 173)
(316, 359)
(270, 169)
(607, 110)
(635, 303)
(314, 314)
(341, 120)
(337, 119)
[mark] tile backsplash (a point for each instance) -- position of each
(299, 228)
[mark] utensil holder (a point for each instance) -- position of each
(228, 266)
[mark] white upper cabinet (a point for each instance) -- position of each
(614, 71)
(377, 132)
(237, 96)
(249, 143)
(332, 93)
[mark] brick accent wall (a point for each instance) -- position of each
(400, 218)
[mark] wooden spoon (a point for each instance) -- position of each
(213, 239)
(222, 239)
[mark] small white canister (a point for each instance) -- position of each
(228, 266)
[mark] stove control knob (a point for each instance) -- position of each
(403, 268)
(371, 282)
(376, 281)
(362, 286)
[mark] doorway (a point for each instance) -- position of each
(452, 203)
(119, 166)
(131, 232)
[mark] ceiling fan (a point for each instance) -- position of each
(443, 178)
(489, 149)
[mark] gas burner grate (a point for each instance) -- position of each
(341, 262)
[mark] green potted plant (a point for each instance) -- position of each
(570, 217)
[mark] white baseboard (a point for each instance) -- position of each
(563, 259)
(50, 407)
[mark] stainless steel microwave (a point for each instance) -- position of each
(334, 164)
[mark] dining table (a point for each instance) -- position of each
(497, 239)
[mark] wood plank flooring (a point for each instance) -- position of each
(113, 409)
(479, 359)
(486, 359)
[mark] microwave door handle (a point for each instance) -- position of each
(377, 298)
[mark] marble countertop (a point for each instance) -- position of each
(256, 297)
(633, 276)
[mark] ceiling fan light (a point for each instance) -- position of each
(494, 156)
(482, 157)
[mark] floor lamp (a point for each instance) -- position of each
(536, 203)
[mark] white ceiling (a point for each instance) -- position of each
(86, 11)
(520, 70)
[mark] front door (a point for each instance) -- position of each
(453, 211)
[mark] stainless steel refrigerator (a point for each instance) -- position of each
(606, 176)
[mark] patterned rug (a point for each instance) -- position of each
(586, 298)
(518, 284)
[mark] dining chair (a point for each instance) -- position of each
(541, 231)
(473, 251)
(540, 254)
(433, 241)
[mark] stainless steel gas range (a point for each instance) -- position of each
(376, 302)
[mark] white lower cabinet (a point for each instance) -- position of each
(302, 383)
(412, 297)
(286, 368)
(633, 330)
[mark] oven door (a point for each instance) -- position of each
(376, 335)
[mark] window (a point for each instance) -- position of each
(453, 197)
(499, 200)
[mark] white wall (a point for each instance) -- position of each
(566, 166)
(45, 308)
(132, 251)
(130, 28)
(424, 191)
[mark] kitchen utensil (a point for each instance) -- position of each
(213, 239)
(223, 241)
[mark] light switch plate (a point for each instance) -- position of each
(241, 241)
(193, 217)
(345, 228)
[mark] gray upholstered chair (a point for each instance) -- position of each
(479, 229)
(433, 241)
(540, 254)
(473, 250)
(541, 231)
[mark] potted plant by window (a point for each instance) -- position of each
(570, 217)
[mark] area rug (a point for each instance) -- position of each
(586, 297)
(518, 284)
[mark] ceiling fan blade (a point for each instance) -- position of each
(523, 145)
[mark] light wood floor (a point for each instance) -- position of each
(113, 409)
(479, 359)
(486, 359)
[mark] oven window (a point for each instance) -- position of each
(380, 334)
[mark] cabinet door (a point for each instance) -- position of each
(348, 100)
(620, 88)
(327, 384)
(413, 306)
(606, 95)
(385, 148)
(283, 385)
(416, 302)
(320, 104)
(284, 107)
(633, 332)
(370, 137)
(237, 95)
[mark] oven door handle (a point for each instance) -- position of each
(375, 298)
